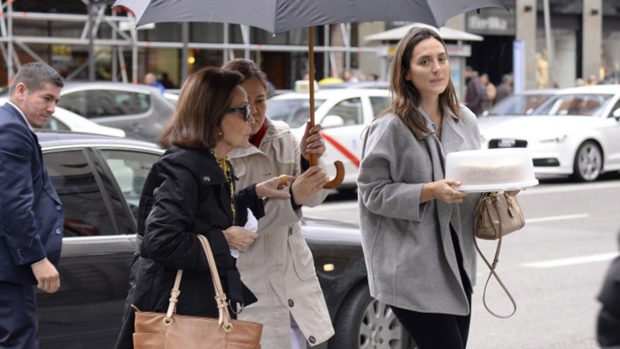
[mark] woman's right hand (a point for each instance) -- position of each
(308, 183)
(274, 187)
(239, 238)
(443, 190)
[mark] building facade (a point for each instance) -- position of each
(581, 40)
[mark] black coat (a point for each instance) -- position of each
(185, 193)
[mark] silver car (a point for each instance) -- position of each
(140, 110)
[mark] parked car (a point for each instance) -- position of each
(172, 95)
(140, 110)
(576, 132)
(65, 120)
(520, 104)
(358, 85)
(99, 180)
(343, 113)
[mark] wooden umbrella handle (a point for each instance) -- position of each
(314, 160)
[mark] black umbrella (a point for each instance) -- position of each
(277, 16)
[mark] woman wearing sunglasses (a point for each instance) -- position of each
(278, 266)
(191, 190)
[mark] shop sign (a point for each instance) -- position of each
(491, 23)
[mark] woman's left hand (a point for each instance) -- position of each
(312, 142)
(274, 187)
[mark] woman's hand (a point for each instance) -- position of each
(308, 183)
(239, 238)
(443, 190)
(312, 142)
(274, 187)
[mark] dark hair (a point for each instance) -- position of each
(248, 69)
(405, 97)
(35, 75)
(198, 114)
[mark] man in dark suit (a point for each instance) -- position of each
(31, 214)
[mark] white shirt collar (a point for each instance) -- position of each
(22, 114)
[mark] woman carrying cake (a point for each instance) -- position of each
(416, 225)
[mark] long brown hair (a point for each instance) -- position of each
(405, 97)
(204, 97)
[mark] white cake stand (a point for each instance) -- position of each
(483, 188)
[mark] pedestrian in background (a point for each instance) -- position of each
(278, 265)
(475, 92)
(490, 90)
(189, 191)
(151, 80)
(31, 214)
(504, 89)
(416, 225)
(608, 324)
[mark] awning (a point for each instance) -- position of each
(445, 33)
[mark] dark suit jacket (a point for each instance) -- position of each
(31, 214)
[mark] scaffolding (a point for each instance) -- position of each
(123, 36)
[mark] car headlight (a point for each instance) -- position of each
(558, 139)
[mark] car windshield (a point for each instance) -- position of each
(575, 105)
(519, 104)
(295, 112)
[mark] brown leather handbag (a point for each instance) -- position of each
(172, 331)
(497, 214)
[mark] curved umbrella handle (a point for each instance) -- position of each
(334, 183)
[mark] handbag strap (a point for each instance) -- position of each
(220, 295)
(492, 272)
(174, 297)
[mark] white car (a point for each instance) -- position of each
(65, 120)
(520, 104)
(576, 132)
(343, 113)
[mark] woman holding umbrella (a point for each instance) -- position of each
(278, 265)
(416, 226)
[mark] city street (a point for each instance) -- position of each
(553, 267)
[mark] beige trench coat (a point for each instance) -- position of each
(278, 267)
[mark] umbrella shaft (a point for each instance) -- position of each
(313, 158)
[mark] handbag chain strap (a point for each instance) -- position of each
(220, 295)
(492, 272)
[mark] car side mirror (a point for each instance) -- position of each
(332, 121)
(616, 114)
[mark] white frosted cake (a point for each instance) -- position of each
(491, 169)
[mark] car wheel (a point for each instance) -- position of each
(588, 162)
(366, 323)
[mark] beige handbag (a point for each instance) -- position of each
(172, 331)
(497, 214)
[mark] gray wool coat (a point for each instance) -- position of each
(407, 245)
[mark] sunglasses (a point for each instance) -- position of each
(244, 111)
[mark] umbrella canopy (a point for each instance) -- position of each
(446, 33)
(278, 16)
